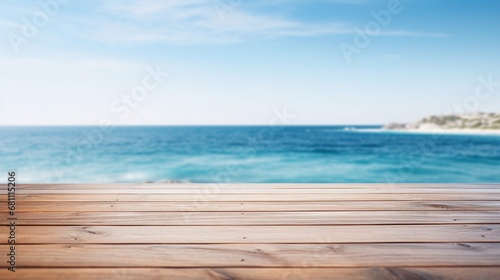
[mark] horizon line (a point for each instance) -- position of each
(178, 125)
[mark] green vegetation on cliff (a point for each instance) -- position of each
(465, 121)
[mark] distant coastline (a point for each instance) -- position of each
(448, 131)
(474, 123)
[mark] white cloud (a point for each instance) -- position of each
(195, 21)
(404, 33)
(152, 7)
(202, 22)
(9, 24)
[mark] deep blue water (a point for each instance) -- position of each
(244, 154)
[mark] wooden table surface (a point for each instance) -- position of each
(253, 231)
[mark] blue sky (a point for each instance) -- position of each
(240, 61)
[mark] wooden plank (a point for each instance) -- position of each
(253, 234)
(206, 198)
(234, 191)
(258, 255)
(254, 231)
(255, 218)
(172, 206)
(251, 186)
(304, 273)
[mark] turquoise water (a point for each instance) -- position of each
(245, 154)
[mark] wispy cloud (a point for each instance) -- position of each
(191, 22)
(404, 33)
(348, 2)
(197, 22)
(4, 24)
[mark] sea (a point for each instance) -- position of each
(245, 154)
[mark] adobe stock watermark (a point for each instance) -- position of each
(225, 7)
(483, 91)
(413, 158)
(48, 9)
(280, 119)
(224, 177)
(325, 248)
(373, 28)
(121, 108)
(130, 101)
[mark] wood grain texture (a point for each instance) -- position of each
(245, 191)
(305, 273)
(258, 255)
(205, 186)
(204, 198)
(254, 231)
(254, 234)
(255, 218)
(254, 206)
